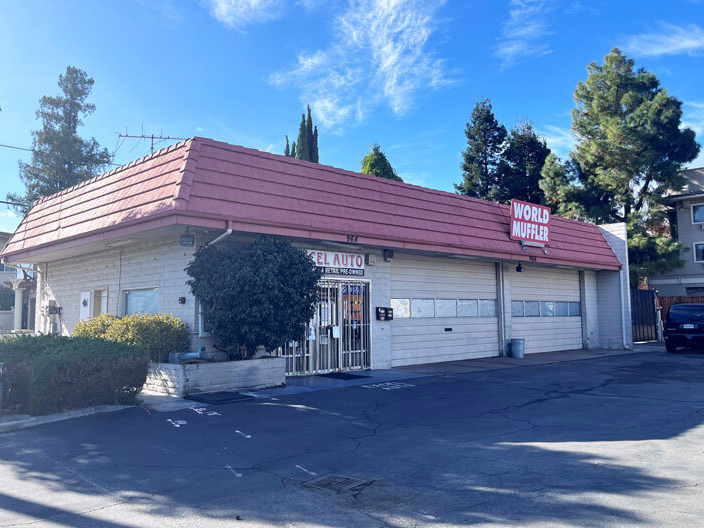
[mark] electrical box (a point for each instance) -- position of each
(384, 313)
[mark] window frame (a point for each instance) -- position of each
(523, 308)
(397, 313)
(413, 303)
(691, 212)
(441, 300)
(573, 303)
(694, 250)
(126, 291)
(476, 307)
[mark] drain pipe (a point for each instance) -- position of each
(624, 341)
(226, 234)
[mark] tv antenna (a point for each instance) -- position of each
(155, 140)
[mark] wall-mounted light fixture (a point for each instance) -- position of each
(388, 254)
(520, 268)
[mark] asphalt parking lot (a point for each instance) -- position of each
(612, 441)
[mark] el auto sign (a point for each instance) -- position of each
(530, 223)
(338, 263)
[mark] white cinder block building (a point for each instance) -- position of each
(460, 283)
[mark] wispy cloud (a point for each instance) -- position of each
(669, 40)
(693, 117)
(237, 14)
(8, 220)
(380, 55)
(559, 139)
(523, 33)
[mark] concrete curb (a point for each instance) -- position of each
(23, 422)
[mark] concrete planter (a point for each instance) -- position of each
(250, 374)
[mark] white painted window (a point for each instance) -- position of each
(547, 308)
(697, 213)
(487, 308)
(445, 307)
(467, 308)
(402, 308)
(698, 252)
(142, 301)
(422, 307)
(532, 309)
(517, 309)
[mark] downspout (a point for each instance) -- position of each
(226, 234)
(623, 310)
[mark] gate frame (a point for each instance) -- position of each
(340, 281)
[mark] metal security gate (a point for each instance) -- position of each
(644, 315)
(339, 335)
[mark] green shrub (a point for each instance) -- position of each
(49, 374)
(157, 334)
(95, 327)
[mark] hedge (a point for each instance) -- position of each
(48, 374)
(158, 334)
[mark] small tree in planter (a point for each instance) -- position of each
(261, 295)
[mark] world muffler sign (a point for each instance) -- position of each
(338, 263)
(530, 223)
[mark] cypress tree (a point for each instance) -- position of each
(303, 152)
(287, 150)
(314, 147)
(293, 149)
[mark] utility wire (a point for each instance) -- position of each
(46, 153)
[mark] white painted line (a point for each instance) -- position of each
(177, 423)
(245, 435)
(311, 473)
(199, 410)
(213, 413)
(235, 473)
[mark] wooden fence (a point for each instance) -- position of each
(666, 302)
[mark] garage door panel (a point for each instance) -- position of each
(547, 334)
(424, 339)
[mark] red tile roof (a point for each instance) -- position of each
(209, 183)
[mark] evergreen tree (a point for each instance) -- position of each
(485, 143)
(303, 152)
(287, 150)
(377, 164)
(314, 146)
(630, 149)
(518, 171)
(306, 148)
(61, 158)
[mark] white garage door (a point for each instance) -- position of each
(545, 309)
(444, 310)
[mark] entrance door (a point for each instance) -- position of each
(338, 337)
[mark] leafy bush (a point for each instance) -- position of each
(95, 327)
(49, 374)
(262, 295)
(157, 334)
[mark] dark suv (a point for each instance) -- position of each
(684, 326)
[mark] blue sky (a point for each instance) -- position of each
(404, 74)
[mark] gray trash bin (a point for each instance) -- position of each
(518, 347)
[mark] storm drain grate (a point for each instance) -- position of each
(338, 483)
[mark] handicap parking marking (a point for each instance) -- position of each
(389, 385)
(247, 436)
(233, 471)
(311, 473)
(176, 423)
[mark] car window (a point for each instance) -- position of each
(686, 311)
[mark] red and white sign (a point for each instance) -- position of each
(338, 263)
(530, 223)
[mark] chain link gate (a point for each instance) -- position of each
(339, 335)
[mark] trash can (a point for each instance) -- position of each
(518, 347)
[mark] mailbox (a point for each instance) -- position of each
(384, 314)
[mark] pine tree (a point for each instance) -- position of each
(377, 164)
(485, 143)
(518, 171)
(61, 158)
(630, 148)
(287, 150)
